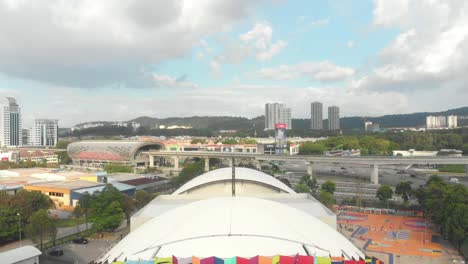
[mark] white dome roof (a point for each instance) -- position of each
(225, 174)
(232, 226)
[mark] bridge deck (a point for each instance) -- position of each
(364, 160)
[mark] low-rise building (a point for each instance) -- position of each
(343, 153)
(38, 156)
(21, 255)
(61, 191)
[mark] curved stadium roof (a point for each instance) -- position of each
(232, 226)
(116, 150)
(225, 174)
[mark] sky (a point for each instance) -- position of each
(87, 60)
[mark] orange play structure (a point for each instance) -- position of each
(392, 234)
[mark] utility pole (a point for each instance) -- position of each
(19, 227)
(233, 182)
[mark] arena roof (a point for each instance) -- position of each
(109, 150)
(225, 174)
(232, 226)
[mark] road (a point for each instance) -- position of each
(77, 254)
(389, 174)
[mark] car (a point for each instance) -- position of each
(80, 240)
(413, 175)
(56, 252)
(343, 168)
(454, 180)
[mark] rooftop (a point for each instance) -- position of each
(67, 185)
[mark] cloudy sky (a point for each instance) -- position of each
(86, 60)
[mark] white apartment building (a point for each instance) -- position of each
(316, 116)
(277, 113)
(333, 118)
(433, 122)
(44, 133)
(452, 121)
(11, 134)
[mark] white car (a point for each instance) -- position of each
(454, 180)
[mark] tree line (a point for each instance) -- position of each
(384, 144)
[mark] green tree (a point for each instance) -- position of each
(63, 157)
(40, 227)
(117, 168)
(311, 148)
(329, 186)
(142, 198)
(83, 207)
(384, 193)
(301, 188)
(62, 144)
(27, 202)
(311, 182)
(107, 208)
(110, 217)
(9, 225)
(198, 141)
(247, 141)
(404, 189)
(128, 206)
(229, 141)
(189, 172)
(326, 198)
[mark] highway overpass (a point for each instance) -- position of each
(372, 161)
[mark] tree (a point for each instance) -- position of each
(312, 148)
(63, 158)
(229, 141)
(329, 186)
(326, 198)
(110, 217)
(384, 193)
(128, 207)
(117, 168)
(198, 141)
(62, 144)
(40, 227)
(8, 224)
(301, 188)
(189, 172)
(107, 208)
(27, 202)
(82, 209)
(311, 182)
(404, 189)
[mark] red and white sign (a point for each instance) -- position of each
(280, 125)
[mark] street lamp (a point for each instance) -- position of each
(19, 226)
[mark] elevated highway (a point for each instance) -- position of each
(372, 161)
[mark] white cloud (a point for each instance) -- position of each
(165, 81)
(350, 44)
(431, 52)
(260, 36)
(324, 71)
(87, 43)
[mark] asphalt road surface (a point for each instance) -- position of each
(76, 253)
(390, 175)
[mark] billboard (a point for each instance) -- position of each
(280, 138)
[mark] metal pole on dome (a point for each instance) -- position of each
(233, 183)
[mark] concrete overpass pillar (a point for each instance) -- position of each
(151, 161)
(374, 177)
(231, 163)
(258, 165)
(176, 162)
(310, 169)
(207, 164)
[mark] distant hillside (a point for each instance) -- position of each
(215, 123)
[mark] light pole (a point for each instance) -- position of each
(19, 227)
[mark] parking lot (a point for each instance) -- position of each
(76, 253)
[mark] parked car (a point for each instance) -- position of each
(413, 175)
(80, 240)
(454, 180)
(56, 252)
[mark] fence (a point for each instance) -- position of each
(66, 239)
